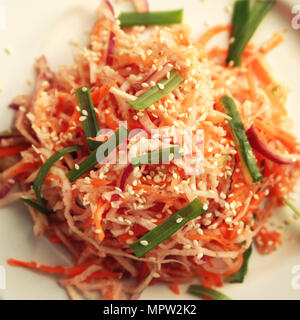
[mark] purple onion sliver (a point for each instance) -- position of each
(4, 190)
(115, 197)
(126, 174)
(110, 49)
(14, 106)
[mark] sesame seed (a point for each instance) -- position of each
(205, 206)
(156, 275)
(160, 86)
(84, 112)
(82, 118)
(200, 255)
(144, 243)
(77, 167)
(145, 85)
(179, 220)
(84, 89)
(8, 50)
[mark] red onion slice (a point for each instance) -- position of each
(126, 174)
(14, 106)
(110, 49)
(115, 197)
(262, 148)
(4, 190)
(111, 40)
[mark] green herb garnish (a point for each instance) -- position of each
(291, 206)
(38, 182)
(130, 19)
(246, 153)
(42, 209)
(158, 156)
(239, 276)
(88, 114)
(167, 228)
(160, 90)
(245, 22)
(99, 154)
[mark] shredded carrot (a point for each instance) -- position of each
(21, 168)
(10, 151)
(101, 207)
(289, 140)
(276, 40)
(99, 183)
(210, 33)
(261, 70)
(100, 93)
(175, 287)
(210, 279)
(54, 270)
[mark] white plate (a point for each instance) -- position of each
(37, 27)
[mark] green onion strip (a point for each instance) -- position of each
(167, 228)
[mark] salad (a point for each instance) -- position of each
(153, 158)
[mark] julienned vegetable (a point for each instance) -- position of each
(244, 30)
(239, 276)
(167, 228)
(158, 156)
(248, 159)
(241, 13)
(160, 90)
(99, 154)
(257, 144)
(88, 116)
(41, 208)
(291, 206)
(38, 182)
(129, 19)
(202, 291)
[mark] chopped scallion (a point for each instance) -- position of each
(202, 291)
(160, 90)
(129, 19)
(239, 276)
(245, 24)
(104, 149)
(88, 115)
(42, 209)
(249, 161)
(167, 228)
(158, 156)
(38, 182)
(291, 206)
